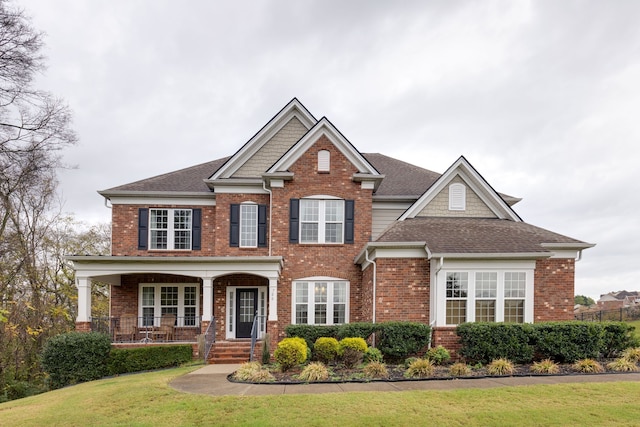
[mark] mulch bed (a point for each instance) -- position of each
(339, 374)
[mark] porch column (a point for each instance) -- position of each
(273, 299)
(207, 299)
(84, 299)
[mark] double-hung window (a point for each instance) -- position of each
(321, 301)
(170, 228)
(321, 221)
(180, 300)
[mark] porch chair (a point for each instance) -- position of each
(127, 328)
(167, 324)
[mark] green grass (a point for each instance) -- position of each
(146, 399)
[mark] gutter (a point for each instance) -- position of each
(373, 320)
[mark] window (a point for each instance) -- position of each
(178, 299)
(320, 302)
(170, 228)
(457, 197)
(457, 284)
(324, 161)
(487, 296)
(321, 221)
(248, 226)
(514, 294)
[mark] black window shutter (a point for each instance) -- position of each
(262, 226)
(196, 230)
(294, 215)
(234, 230)
(349, 221)
(143, 229)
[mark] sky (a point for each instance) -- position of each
(542, 97)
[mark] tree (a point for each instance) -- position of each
(34, 128)
(583, 300)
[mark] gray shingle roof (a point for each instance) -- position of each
(184, 180)
(401, 178)
(474, 235)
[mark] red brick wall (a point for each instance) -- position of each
(402, 289)
(307, 260)
(447, 337)
(124, 231)
(223, 224)
(554, 290)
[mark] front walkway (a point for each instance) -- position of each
(212, 380)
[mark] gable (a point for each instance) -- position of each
(481, 200)
(473, 204)
(272, 150)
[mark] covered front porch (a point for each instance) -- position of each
(180, 299)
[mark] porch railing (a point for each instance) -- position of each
(209, 338)
(129, 329)
(257, 329)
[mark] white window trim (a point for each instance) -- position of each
(330, 281)
(439, 298)
(170, 229)
(321, 220)
(457, 197)
(158, 307)
(253, 228)
(230, 317)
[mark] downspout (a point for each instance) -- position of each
(264, 186)
(579, 256)
(366, 257)
(435, 288)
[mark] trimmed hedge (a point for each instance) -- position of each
(396, 340)
(563, 342)
(75, 357)
(124, 360)
(484, 342)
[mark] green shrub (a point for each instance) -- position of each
(420, 368)
(617, 337)
(375, 370)
(310, 333)
(397, 340)
(589, 366)
(500, 367)
(290, 352)
(325, 349)
(359, 329)
(566, 342)
(75, 357)
(438, 355)
(123, 360)
(546, 366)
(484, 342)
(459, 370)
(314, 371)
(372, 355)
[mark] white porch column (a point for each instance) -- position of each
(84, 299)
(273, 299)
(207, 299)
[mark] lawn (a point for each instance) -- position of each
(146, 399)
(636, 323)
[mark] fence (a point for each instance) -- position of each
(623, 314)
(148, 329)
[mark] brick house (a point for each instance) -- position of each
(298, 226)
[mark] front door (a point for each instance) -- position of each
(246, 306)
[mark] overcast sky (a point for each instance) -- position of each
(542, 97)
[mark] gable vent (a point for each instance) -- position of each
(324, 161)
(457, 197)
